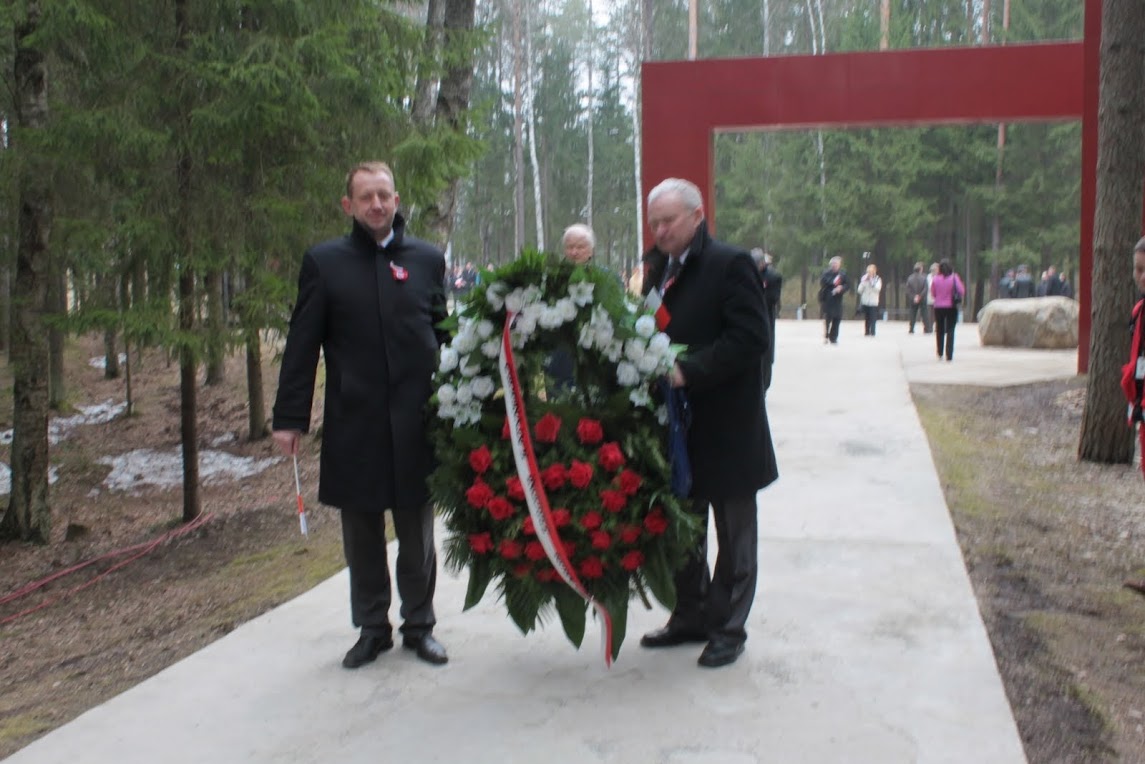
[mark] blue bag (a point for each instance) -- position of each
(679, 422)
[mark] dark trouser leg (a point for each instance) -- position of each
(939, 330)
(913, 315)
(364, 543)
(693, 580)
(416, 569)
(737, 568)
(951, 321)
(826, 327)
(927, 319)
(833, 329)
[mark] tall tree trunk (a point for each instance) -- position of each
(885, 25)
(451, 107)
(57, 309)
(105, 288)
(124, 306)
(256, 397)
(428, 71)
(188, 391)
(29, 514)
(216, 328)
(591, 116)
(5, 307)
(518, 128)
(531, 124)
(1116, 227)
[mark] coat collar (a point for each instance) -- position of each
(364, 238)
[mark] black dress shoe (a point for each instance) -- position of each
(428, 649)
(366, 649)
(720, 653)
(670, 636)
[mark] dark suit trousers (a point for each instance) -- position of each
(718, 604)
(364, 542)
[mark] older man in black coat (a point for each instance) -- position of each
(371, 301)
(715, 302)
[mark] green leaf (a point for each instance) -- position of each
(618, 609)
(479, 577)
(522, 604)
(571, 609)
(660, 577)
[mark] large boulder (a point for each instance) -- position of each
(1034, 322)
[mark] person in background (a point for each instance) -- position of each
(869, 289)
(1133, 373)
(833, 284)
(1023, 284)
(946, 292)
(371, 302)
(714, 301)
(578, 244)
(916, 297)
(1066, 286)
(1006, 285)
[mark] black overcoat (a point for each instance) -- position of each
(373, 312)
(717, 310)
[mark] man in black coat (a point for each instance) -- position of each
(370, 301)
(833, 284)
(714, 297)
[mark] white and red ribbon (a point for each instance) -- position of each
(655, 303)
(535, 495)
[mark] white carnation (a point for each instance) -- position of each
(485, 328)
(634, 350)
(482, 387)
(603, 335)
(587, 336)
(447, 410)
(532, 294)
(581, 293)
(491, 348)
(659, 343)
(464, 394)
(465, 342)
(614, 350)
(567, 309)
(495, 295)
(648, 364)
(526, 324)
(640, 397)
(446, 394)
(449, 358)
(469, 369)
(662, 415)
(646, 326)
(626, 374)
(550, 318)
(515, 301)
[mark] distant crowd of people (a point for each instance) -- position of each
(1019, 283)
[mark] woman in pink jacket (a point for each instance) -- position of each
(946, 293)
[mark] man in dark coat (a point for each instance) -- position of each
(714, 298)
(833, 284)
(916, 298)
(370, 301)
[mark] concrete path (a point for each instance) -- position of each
(865, 645)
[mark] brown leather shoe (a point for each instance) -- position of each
(670, 636)
(428, 649)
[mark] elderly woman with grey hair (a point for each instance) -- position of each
(578, 243)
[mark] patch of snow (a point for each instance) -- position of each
(164, 469)
(59, 427)
(226, 437)
(6, 478)
(100, 361)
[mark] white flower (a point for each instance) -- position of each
(640, 397)
(648, 364)
(446, 394)
(634, 350)
(514, 301)
(482, 387)
(614, 350)
(566, 308)
(550, 318)
(646, 326)
(662, 415)
(587, 335)
(659, 343)
(495, 295)
(532, 294)
(491, 348)
(581, 293)
(603, 335)
(447, 410)
(465, 342)
(468, 369)
(485, 328)
(464, 394)
(525, 325)
(626, 374)
(449, 358)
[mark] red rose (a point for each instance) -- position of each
(613, 501)
(546, 575)
(600, 540)
(629, 482)
(510, 549)
(580, 473)
(591, 567)
(589, 432)
(569, 547)
(547, 428)
(534, 550)
(610, 457)
(632, 560)
(655, 522)
(500, 508)
(505, 429)
(478, 494)
(591, 520)
(554, 477)
(514, 488)
(480, 543)
(561, 517)
(522, 570)
(630, 534)
(528, 527)
(480, 459)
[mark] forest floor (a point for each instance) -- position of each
(1047, 542)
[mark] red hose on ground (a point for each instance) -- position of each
(136, 551)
